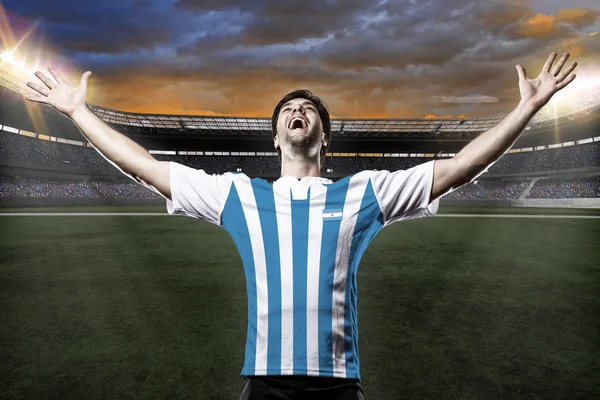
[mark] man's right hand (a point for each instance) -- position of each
(65, 98)
(131, 158)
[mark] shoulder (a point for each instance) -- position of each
(370, 175)
(240, 180)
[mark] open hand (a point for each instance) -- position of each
(62, 96)
(537, 92)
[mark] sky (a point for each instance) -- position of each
(408, 58)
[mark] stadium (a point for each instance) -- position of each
(104, 297)
(537, 171)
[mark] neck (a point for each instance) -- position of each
(300, 168)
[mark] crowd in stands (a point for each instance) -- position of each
(44, 153)
(86, 158)
(29, 150)
(56, 156)
(29, 186)
(12, 185)
(482, 189)
(470, 191)
(579, 156)
(488, 189)
(38, 152)
(124, 190)
(503, 190)
(582, 187)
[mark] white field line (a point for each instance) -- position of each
(81, 214)
(520, 216)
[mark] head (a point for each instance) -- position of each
(301, 126)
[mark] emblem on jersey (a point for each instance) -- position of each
(333, 214)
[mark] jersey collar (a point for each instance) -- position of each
(307, 179)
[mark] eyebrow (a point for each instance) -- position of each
(307, 102)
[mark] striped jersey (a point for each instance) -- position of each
(300, 241)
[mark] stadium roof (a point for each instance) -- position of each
(261, 126)
(365, 127)
(455, 127)
(349, 127)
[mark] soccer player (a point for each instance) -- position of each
(301, 238)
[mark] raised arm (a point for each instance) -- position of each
(488, 147)
(128, 156)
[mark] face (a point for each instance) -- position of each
(299, 128)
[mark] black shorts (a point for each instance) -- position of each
(300, 388)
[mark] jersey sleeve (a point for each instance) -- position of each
(197, 194)
(405, 194)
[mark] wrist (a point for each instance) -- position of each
(78, 112)
(528, 107)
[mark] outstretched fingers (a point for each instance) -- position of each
(39, 88)
(565, 82)
(566, 72)
(37, 99)
(560, 64)
(45, 79)
(40, 95)
(549, 62)
(56, 75)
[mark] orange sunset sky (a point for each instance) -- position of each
(364, 58)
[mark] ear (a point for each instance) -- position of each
(276, 142)
(325, 140)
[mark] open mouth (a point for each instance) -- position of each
(298, 123)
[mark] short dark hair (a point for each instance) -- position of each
(321, 108)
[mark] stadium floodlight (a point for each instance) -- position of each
(8, 58)
(7, 55)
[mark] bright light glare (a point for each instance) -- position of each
(7, 55)
(580, 94)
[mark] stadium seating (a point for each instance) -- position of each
(56, 156)
(566, 188)
(49, 187)
(40, 152)
(124, 190)
(580, 156)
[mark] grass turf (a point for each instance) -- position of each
(153, 308)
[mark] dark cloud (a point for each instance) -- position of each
(270, 22)
(108, 27)
(216, 5)
(366, 58)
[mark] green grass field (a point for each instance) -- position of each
(152, 307)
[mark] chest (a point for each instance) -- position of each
(300, 212)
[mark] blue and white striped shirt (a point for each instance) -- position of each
(301, 242)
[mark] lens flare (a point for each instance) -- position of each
(579, 95)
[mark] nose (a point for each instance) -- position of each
(298, 108)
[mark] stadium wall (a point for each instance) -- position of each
(540, 203)
(557, 203)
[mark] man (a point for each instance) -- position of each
(302, 237)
